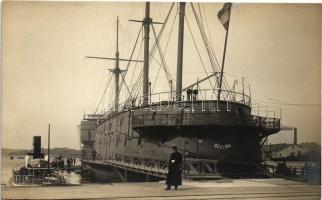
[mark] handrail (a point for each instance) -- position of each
(203, 95)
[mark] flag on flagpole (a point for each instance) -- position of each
(224, 15)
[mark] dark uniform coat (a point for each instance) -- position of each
(174, 174)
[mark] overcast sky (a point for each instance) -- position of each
(46, 78)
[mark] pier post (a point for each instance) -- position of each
(48, 147)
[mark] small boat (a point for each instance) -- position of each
(36, 176)
(38, 171)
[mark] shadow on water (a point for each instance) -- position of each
(76, 178)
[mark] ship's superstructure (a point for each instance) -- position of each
(209, 126)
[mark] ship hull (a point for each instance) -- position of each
(225, 135)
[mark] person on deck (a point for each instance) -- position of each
(68, 163)
(174, 173)
(27, 160)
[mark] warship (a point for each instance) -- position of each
(214, 128)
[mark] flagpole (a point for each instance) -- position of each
(224, 56)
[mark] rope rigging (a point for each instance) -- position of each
(163, 62)
(210, 51)
(213, 59)
(138, 83)
(209, 48)
(139, 53)
(207, 27)
(202, 63)
(132, 90)
(165, 50)
(132, 53)
(104, 92)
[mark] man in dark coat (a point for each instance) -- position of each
(174, 173)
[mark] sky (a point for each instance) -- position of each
(47, 79)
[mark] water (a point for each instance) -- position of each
(6, 168)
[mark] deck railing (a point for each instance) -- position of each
(31, 175)
(168, 97)
(26, 179)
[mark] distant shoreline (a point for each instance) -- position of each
(66, 152)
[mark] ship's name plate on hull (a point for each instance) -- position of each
(222, 146)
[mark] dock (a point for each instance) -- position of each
(214, 189)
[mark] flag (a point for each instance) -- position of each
(224, 15)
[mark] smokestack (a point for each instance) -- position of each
(295, 136)
(37, 147)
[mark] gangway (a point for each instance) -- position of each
(192, 168)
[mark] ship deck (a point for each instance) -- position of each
(220, 189)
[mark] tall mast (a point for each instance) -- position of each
(116, 70)
(146, 22)
(180, 50)
(117, 66)
(228, 7)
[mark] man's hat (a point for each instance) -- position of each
(175, 148)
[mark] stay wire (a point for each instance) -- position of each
(107, 84)
(132, 53)
(153, 49)
(202, 63)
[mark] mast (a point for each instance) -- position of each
(116, 70)
(117, 66)
(146, 23)
(226, 25)
(180, 50)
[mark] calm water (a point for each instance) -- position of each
(6, 168)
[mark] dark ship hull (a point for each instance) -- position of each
(226, 132)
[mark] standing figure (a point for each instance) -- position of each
(27, 160)
(68, 163)
(174, 173)
(61, 162)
